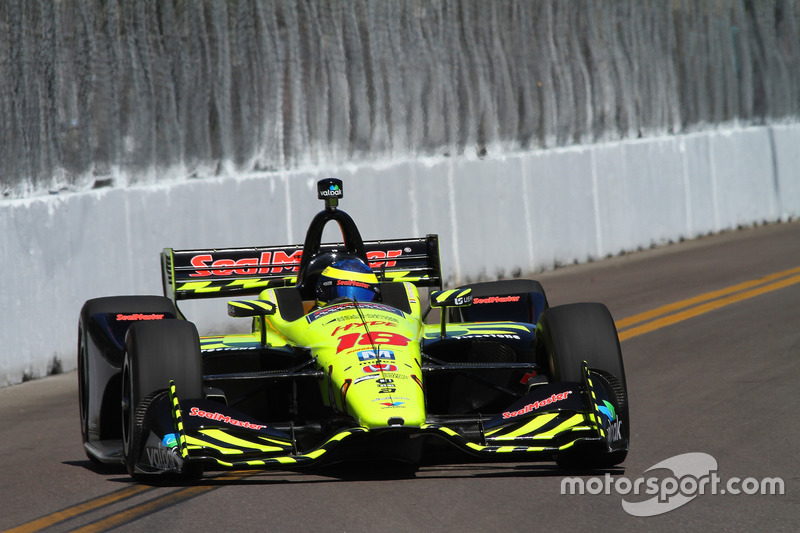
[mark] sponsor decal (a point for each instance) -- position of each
(489, 336)
(395, 398)
(272, 262)
(268, 263)
(334, 191)
(353, 283)
(219, 417)
(462, 300)
(138, 316)
(329, 310)
(386, 385)
(538, 404)
(365, 378)
(496, 300)
(380, 254)
(349, 306)
(163, 458)
(350, 317)
(608, 410)
(170, 440)
(352, 325)
(394, 375)
(380, 367)
(614, 431)
(392, 404)
(367, 355)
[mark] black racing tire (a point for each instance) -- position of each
(155, 353)
(567, 335)
(84, 386)
(106, 305)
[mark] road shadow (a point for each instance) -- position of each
(349, 472)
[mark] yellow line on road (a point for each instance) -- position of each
(151, 506)
(158, 503)
(76, 510)
(668, 314)
(125, 516)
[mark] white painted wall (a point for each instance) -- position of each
(496, 217)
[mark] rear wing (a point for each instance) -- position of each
(216, 273)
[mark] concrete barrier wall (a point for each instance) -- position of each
(497, 217)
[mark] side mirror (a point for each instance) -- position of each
(244, 308)
(451, 298)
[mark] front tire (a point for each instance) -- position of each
(569, 334)
(155, 353)
(566, 336)
(99, 359)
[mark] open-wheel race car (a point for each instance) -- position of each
(345, 361)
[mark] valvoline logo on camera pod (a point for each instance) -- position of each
(329, 188)
(333, 191)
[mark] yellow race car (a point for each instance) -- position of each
(346, 360)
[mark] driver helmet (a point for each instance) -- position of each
(350, 279)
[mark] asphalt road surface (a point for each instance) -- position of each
(710, 333)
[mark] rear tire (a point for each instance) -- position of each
(155, 353)
(566, 336)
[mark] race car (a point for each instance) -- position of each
(354, 352)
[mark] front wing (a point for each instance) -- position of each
(551, 420)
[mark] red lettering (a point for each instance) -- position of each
(347, 341)
(361, 325)
(219, 417)
(247, 266)
(246, 271)
(352, 283)
(265, 259)
(199, 261)
(536, 405)
(223, 263)
(280, 258)
(383, 338)
(495, 300)
(138, 316)
(380, 254)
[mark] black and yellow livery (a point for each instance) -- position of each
(487, 371)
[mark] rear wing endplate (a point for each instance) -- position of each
(216, 273)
